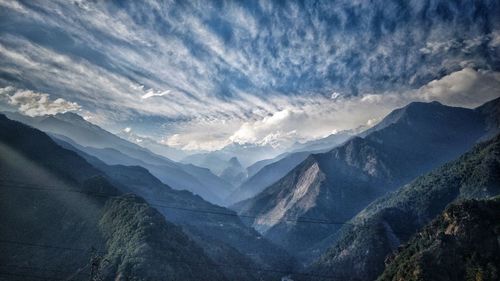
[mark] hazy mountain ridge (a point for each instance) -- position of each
(325, 143)
(266, 172)
(153, 145)
(392, 219)
(419, 137)
(234, 173)
(212, 161)
(255, 167)
(247, 154)
(114, 150)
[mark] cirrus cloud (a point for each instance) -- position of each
(465, 88)
(204, 74)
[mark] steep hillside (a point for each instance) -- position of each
(266, 176)
(52, 215)
(133, 231)
(491, 114)
(266, 172)
(336, 185)
(389, 221)
(322, 187)
(460, 244)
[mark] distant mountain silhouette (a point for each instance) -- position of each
(234, 173)
(114, 150)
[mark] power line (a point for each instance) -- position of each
(43, 269)
(71, 274)
(18, 185)
(114, 196)
(29, 275)
(37, 187)
(42, 245)
(255, 269)
(78, 272)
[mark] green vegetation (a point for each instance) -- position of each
(141, 245)
(136, 237)
(460, 244)
(379, 229)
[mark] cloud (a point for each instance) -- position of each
(335, 95)
(151, 93)
(127, 130)
(190, 141)
(495, 39)
(35, 104)
(317, 116)
(466, 88)
(438, 47)
(268, 73)
(274, 130)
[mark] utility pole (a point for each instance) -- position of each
(95, 263)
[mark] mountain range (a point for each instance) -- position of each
(266, 172)
(391, 220)
(333, 187)
(250, 140)
(115, 150)
(33, 163)
(42, 181)
(218, 230)
(358, 211)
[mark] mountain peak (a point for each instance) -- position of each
(423, 105)
(70, 116)
(421, 112)
(234, 161)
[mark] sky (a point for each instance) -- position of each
(201, 75)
